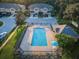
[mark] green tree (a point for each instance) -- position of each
(65, 41)
(70, 46)
(60, 7)
(20, 18)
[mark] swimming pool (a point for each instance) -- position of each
(39, 37)
(55, 43)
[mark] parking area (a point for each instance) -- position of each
(8, 24)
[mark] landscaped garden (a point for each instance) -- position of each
(8, 51)
(69, 45)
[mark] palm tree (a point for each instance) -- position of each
(20, 18)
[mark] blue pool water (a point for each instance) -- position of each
(55, 43)
(39, 37)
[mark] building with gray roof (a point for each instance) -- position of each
(40, 9)
(9, 7)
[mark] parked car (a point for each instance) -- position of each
(2, 35)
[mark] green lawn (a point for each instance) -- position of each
(8, 50)
(1, 23)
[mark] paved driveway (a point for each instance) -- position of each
(9, 24)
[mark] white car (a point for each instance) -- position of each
(2, 35)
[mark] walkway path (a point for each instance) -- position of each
(8, 38)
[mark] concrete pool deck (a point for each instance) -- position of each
(27, 40)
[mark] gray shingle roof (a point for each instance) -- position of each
(9, 5)
(40, 6)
